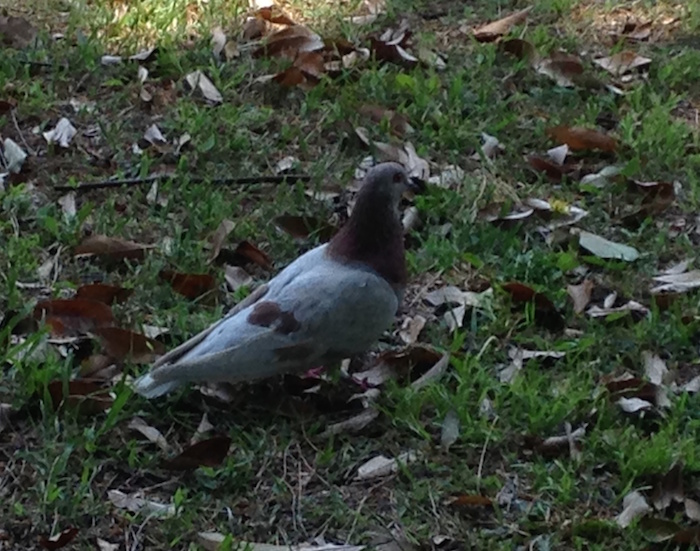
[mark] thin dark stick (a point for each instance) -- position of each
(247, 180)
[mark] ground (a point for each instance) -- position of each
(478, 471)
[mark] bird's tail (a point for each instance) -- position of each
(148, 387)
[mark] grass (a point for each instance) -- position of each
(281, 482)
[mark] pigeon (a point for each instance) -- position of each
(331, 303)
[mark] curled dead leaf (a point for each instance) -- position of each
(496, 29)
(205, 453)
(582, 139)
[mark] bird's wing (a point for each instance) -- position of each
(329, 310)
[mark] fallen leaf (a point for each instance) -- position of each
(211, 541)
(218, 41)
(390, 47)
(217, 239)
(553, 171)
(582, 139)
(75, 316)
(669, 489)
(692, 509)
(677, 283)
(471, 501)
(519, 48)
(204, 427)
(112, 247)
(623, 62)
(205, 453)
(136, 504)
(352, 425)
(104, 545)
(566, 444)
(580, 294)
(565, 71)
(546, 314)
(121, 345)
(633, 506)
(190, 286)
(17, 32)
(289, 42)
(631, 306)
(198, 80)
(151, 433)
(274, 14)
(637, 31)
(101, 292)
(497, 212)
(251, 253)
(604, 248)
(432, 374)
(654, 368)
(398, 124)
(305, 72)
(88, 397)
(67, 204)
(558, 154)
(236, 277)
(14, 156)
(154, 136)
(59, 540)
(411, 328)
(62, 133)
(496, 29)
(449, 432)
(302, 227)
(381, 465)
(634, 405)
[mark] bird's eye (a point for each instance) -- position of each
(398, 177)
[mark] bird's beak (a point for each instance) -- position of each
(416, 185)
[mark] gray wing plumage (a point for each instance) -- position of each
(340, 309)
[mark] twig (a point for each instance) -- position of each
(245, 180)
(21, 136)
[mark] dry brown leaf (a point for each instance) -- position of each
(302, 227)
(382, 466)
(289, 42)
(205, 453)
(197, 80)
(274, 14)
(135, 504)
(471, 501)
(520, 49)
(121, 345)
(669, 489)
(496, 29)
(353, 424)
(566, 72)
(253, 254)
(112, 247)
(189, 285)
(59, 541)
(16, 32)
(67, 317)
(582, 139)
(88, 397)
(623, 62)
(101, 292)
(580, 294)
(151, 433)
(217, 239)
(398, 123)
(411, 328)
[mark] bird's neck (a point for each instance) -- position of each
(373, 236)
